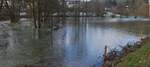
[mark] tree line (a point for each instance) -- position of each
(38, 10)
(43, 10)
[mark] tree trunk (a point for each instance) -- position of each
(33, 14)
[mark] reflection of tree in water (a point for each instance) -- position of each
(54, 23)
(4, 42)
(77, 41)
(80, 37)
(138, 28)
(32, 46)
(54, 53)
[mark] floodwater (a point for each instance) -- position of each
(79, 43)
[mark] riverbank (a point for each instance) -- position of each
(132, 55)
(138, 58)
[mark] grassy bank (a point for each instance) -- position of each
(138, 58)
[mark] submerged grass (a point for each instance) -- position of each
(139, 58)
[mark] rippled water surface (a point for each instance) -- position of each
(78, 44)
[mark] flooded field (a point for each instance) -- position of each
(78, 43)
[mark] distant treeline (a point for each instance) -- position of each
(42, 10)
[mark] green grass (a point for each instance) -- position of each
(139, 58)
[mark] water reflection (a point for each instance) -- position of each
(76, 44)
